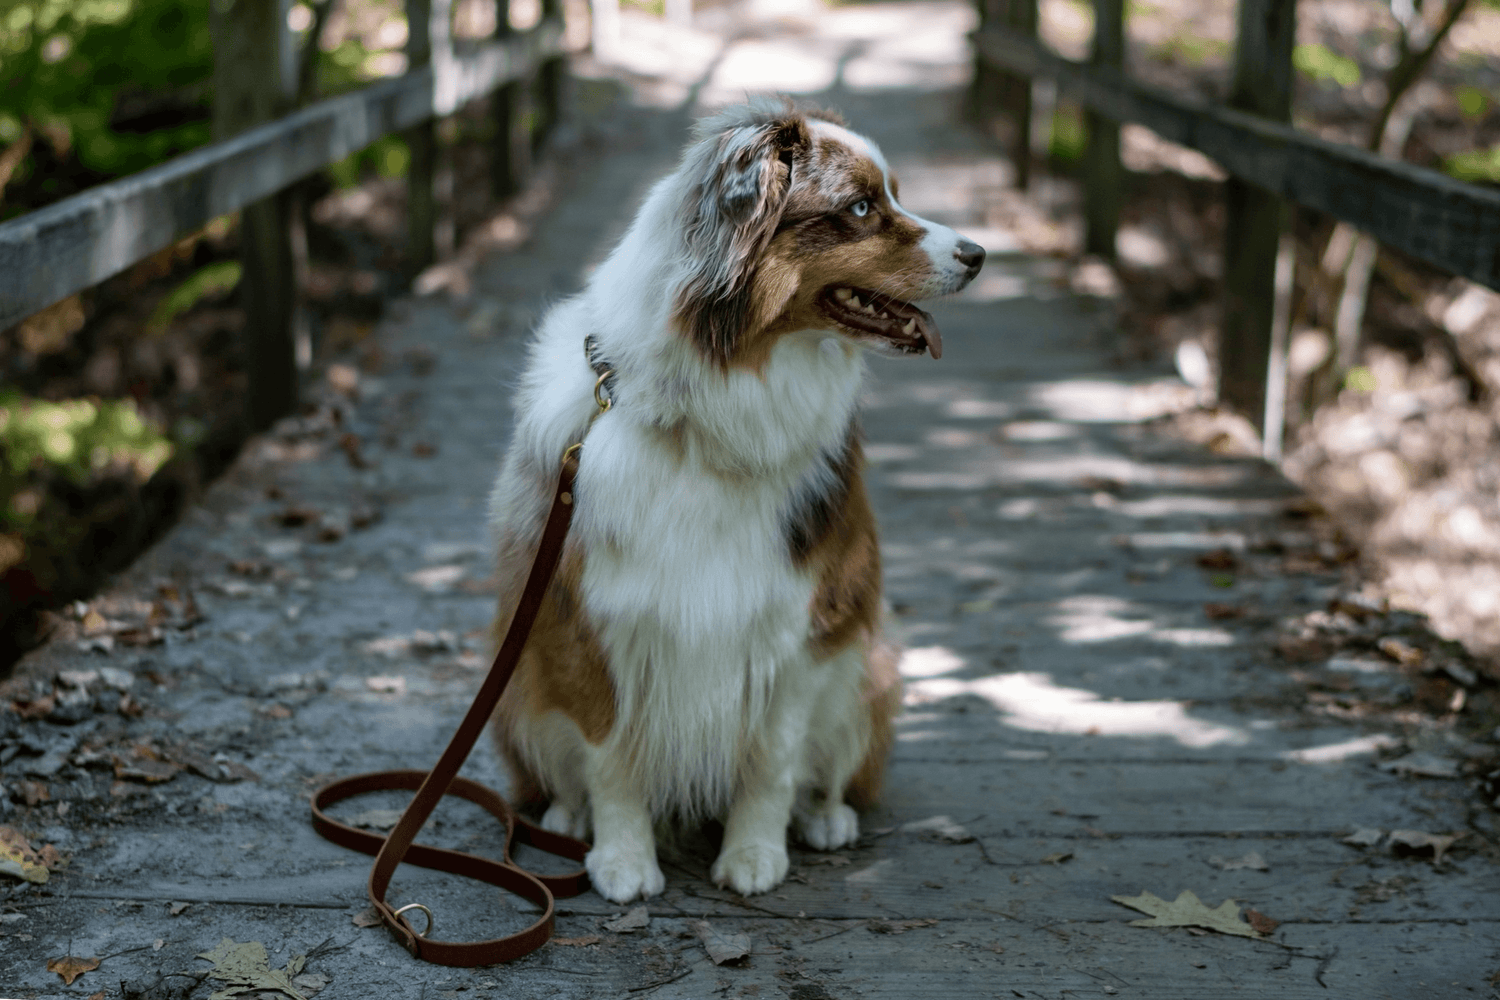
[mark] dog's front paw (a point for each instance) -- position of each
(569, 822)
(751, 868)
(621, 873)
(830, 828)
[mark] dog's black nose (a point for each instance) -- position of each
(970, 255)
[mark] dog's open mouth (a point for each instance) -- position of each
(902, 324)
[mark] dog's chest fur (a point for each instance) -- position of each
(691, 579)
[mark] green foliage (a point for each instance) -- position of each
(1320, 63)
(77, 437)
(213, 281)
(1477, 166)
(1360, 379)
(1472, 101)
(1069, 134)
(1190, 49)
(124, 83)
(388, 156)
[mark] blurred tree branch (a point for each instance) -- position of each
(1349, 256)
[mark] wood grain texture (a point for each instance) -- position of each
(64, 248)
(1450, 224)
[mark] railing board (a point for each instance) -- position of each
(1450, 224)
(64, 248)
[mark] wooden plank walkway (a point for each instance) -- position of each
(1069, 705)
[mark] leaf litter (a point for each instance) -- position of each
(246, 967)
(636, 919)
(71, 968)
(1187, 910)
(722, 947)
(1252, 860)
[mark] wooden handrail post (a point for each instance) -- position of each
(550, 78)
(429, 29)
(997, 92)
(510, 158)
(1263, 86)
(1103, 176)
(247, 37)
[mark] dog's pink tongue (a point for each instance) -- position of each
(927, 327)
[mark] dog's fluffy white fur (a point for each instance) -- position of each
(711, 645)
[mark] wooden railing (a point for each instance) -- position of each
(76, 243)
(1452, 225)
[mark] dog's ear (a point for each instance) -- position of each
(741, 178)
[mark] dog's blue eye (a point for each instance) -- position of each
(861, 208)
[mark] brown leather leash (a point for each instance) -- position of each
(400, 844)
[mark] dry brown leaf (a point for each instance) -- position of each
(939, 828)
(175, 909)
(18, 859)
(1187, 910)
(1056, 859)
(71, 968)
(1262, 923)
(246, 968)
(368, 917)
(722, 947)
(97, 996)
(1365, 836)
(578, 942)
(637, 919)
(1417, 841)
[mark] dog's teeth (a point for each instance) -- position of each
(843, 294)
(870, 308)
(854, 301)
(885, 315)
(910, 327)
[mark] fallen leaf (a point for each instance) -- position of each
(637, 919)
(578, 942)
(311, 982)
(71, 968)
(722, 947)
(377, 819)
(144, 769)
(1365, 836)
(1417, 841)
(1262, 923)
(899, 926)
(97, 996)
(939, 828)
(246, 967)
(17, 858)
(1422, 764)
(1252, 860)
(832, 860)
(1400, 650)
(1056, 859)
(1188, 911)
(1220, 559)
(368, 917)
(158, 944)
(386, 685)
(436, 579)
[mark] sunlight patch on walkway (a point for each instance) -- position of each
(1088, 618)
(1033, 701)
(1332, 753)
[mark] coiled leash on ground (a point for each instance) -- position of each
(399, 845)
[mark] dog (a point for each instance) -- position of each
(711, 644)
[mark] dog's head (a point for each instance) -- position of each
(791, 222)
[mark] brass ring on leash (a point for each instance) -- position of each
(604, 401)
(418, 906)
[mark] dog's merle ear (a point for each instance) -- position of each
(741, 176)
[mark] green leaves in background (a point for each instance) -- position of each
(122, 83)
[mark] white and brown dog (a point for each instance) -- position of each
(711, 645)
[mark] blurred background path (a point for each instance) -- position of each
(1123, 661)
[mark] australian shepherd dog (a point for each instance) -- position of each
(711, 645)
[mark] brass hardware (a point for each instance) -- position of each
(572, 450)
(566, 498)
(603, 401)
(418, 906)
